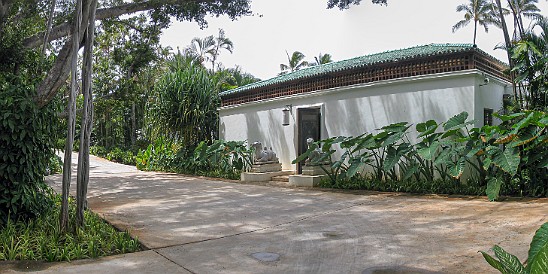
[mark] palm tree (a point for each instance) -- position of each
(520, 9)
(295, 62)
(221, 42)
(322, 59)
(478, 11)
(201, 49)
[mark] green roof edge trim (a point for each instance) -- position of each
(362, 61)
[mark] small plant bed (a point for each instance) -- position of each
(39, 239)
(425, 187)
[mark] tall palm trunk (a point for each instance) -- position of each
(508, 44)
(475, 30)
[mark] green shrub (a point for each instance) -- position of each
(27, 138)
(223, 159)
(55, 165)
(40, 238)
(511, 158)
(120, 156)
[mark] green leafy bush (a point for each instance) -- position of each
(55, 165)
(118, 155)
(40, 238)
(537, 260)
(512, 155)
(225, 159)
(27, 138)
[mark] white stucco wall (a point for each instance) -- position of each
(351, 111)
(489, 96)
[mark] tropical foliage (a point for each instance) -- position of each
(512, 155)
(536, 262)
(40, 239)
(294, 62)
(183, 105)
(321, 59)
(27, 138)
(225, 159)
(480, 12)
(530, 56)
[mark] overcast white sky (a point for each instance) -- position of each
(307, 26)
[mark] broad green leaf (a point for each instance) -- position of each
(508, 160)
(355, 166)
(303, 156)
(526, 136)
(493, 262)
(539, 264)
(456, 122)
(539, 242)
(409, 172)
(493, 188)
(443, 157)
(543, 122)
(509, 117)
(392, 139)
(397, 127)
(456, 169)
(429, 152)
(426, 128)
(393, 156)
(523, 123)
(391, 159)
(510, 262)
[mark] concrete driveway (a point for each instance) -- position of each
(198, 225)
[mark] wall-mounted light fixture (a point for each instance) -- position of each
(485, 81)
(286, 114)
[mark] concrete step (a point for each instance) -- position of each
(282, 178)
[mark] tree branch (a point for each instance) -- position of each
(63, 29)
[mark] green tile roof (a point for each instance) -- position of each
(362, 61)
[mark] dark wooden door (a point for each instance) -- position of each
(308, 121)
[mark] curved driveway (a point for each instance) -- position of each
(204, 226)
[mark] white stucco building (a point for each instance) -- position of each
(362, 94)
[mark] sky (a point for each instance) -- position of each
(261, 42)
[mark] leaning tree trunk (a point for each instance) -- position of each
(87, 120)
(508, 44)
(49, 26)
(71, 117)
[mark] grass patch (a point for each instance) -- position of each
(40, 239)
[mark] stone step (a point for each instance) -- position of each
(282, 178)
